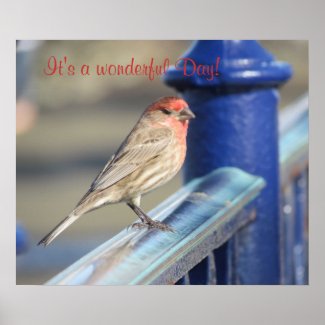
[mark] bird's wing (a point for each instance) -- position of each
(138, 149)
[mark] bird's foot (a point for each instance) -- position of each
(152, 224)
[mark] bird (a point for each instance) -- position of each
(151, 155)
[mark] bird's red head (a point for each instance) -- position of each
(174, 107)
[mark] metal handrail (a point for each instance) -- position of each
(204, 214)
(293, 129)
(294, 192)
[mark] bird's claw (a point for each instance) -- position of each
(152, 225)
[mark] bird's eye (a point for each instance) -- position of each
(166, 111)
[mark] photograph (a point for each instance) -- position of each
(162, 162)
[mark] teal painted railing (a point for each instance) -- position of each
(204, 214)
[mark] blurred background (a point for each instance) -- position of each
(68, 127)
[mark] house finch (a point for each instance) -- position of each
(149, 157)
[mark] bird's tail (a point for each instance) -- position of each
(65, 223)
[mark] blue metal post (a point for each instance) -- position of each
(300, 249)
(236, 125)
(287, 229)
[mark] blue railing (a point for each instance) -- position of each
(231, 227)
(294, 193)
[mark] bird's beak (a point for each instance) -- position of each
(186, 114)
